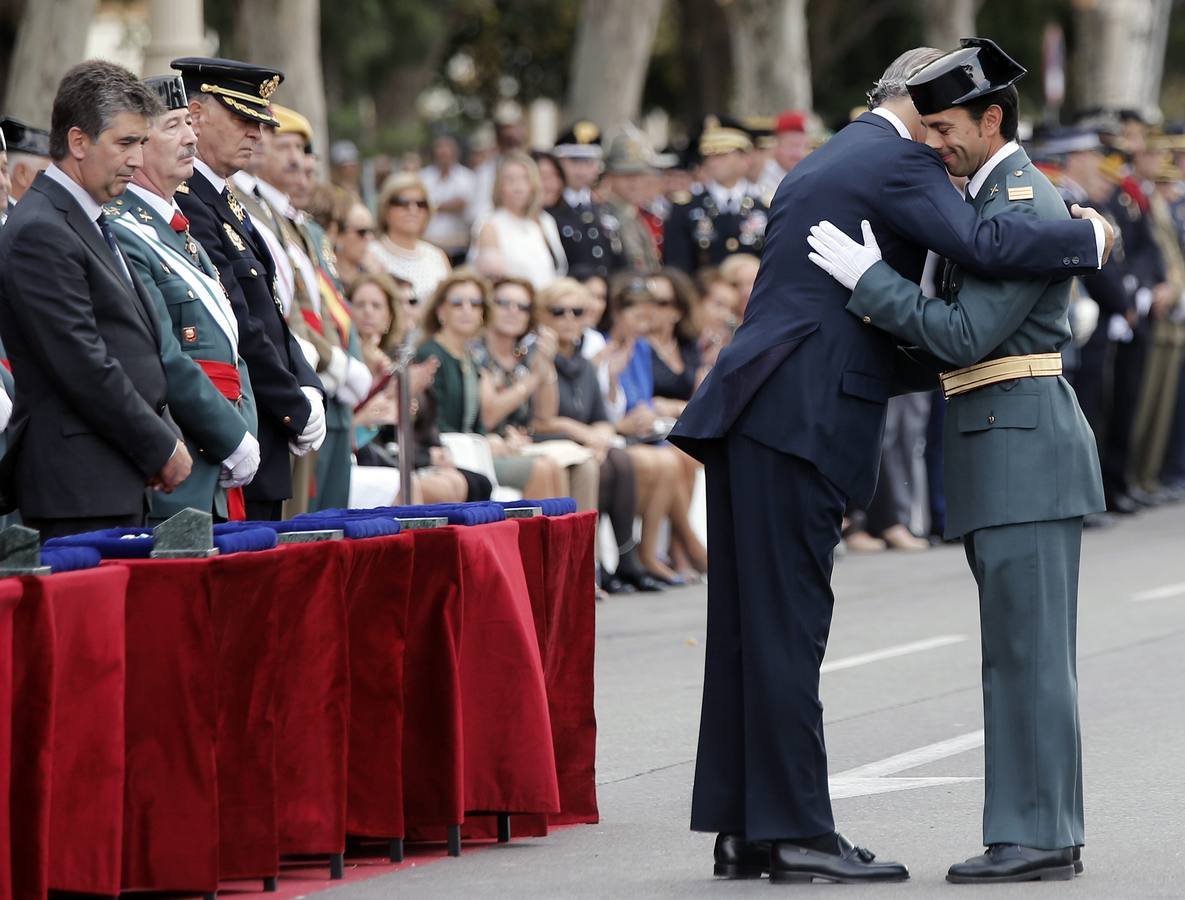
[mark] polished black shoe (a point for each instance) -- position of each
(614, 585)
(1078, 867)
(1012, 862)
(738, 858)
(790, 863)
(643, 581)
(1122, 504)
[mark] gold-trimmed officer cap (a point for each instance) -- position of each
(243, 88)
(581, 141)
(170, 89)
(722, 134)
(292, 122)
(979, 67)
(22, 138)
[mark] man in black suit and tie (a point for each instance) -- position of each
(88, 432)
(789, 426)
(229, 102)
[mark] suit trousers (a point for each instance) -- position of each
(899, 490)
(773, 524)
(1028, 612)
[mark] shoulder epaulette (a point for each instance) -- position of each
(183, 188)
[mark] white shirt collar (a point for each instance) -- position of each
(977, 180)
(578, 198)
(217, 180)
(276, 198)
(155, 202)
(728, 199)
(893, 119)
(245, 182)
(90, 208)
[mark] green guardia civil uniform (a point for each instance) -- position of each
(188, 295)
(1021, 471)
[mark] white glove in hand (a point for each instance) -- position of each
(314, 430)
(839, 256)
(356, 385)
(5, 408)
(240, 467)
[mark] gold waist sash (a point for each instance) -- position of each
(992, 371)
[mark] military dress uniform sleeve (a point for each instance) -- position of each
(918, 203)
(277, 389)
(198, 407)
(49, 298)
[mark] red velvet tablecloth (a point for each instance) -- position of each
(377, 595)
(67, 764)
(10, 596)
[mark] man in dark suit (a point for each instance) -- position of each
(88, 426)
(229, 102)
(789, 425)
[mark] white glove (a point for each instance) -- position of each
(356, 385)
(839, 256)
(5, 408)
(314, 430)
(240, 467)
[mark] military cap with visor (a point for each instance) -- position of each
(22, 138)
(722, 134)
(978, 68)
(581, 141)
(243, 88)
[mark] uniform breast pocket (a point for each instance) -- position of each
(994, 411)
(246, 267)
(189, 319)
(866, 387)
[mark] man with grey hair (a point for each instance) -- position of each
(89, 429)
(788, 424)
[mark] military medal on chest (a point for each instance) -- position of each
(236, 207)
(234, 237)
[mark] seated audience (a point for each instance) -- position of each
(674, 337)
(719, 304)
(355, 235)
(551, 177)
(740, 270)
(403, 215)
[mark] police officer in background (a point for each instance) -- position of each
(726, 214)
(589, 231)
(230, 101)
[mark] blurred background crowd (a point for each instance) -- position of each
(565, 274)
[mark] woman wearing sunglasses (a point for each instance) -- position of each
(518, 239)
(403, 216)
(452, 321)
(354, 238)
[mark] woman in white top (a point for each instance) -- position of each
(518, 239)
(403, 215)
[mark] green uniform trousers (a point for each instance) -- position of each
(1028, 611)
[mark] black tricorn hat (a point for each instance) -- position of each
(22, 138)
(243, 88)
(170, 89)
(979, 67)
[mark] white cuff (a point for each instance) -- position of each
(309, 351)
(1143, 301)
(356, 383)
(241, 452)
(334, 375)
(1100, 241)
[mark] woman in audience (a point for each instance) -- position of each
(519, 386)
(674, 337)
(403, 215)
(518, 239)
(719, 301)
(582, 417)
(378, 317)
(452, 320)
(740, 270)
(551, 178)
(354, 237)
(656, 462)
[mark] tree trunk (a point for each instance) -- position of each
(705, 59)
(1119, 59)
(945, 21)
(51, 39)
(178, 29)
(771, 62)
(612, 55)
(286, 34)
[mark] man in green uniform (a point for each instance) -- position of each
(216, 413)
(628, 165)
(1021, 465)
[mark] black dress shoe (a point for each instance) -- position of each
(1012, 862)
(614, 585)
(1078, 867)
(1122, 504)
(790, 862)
(643, 581)
(738, 858)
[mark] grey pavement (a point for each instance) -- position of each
(649, 674)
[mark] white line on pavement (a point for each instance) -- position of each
(1160, 593)
(863, 659)
(872, 778)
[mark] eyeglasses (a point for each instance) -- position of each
(405, 203)
(507, 303)
(576, 312)
(475, 302)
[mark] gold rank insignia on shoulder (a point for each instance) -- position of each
(144, 216)
(234, 237)
(183, 188)
(1020, 193)
(110, 211)
(995, 190)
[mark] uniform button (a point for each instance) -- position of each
(287, 420)
(867, 320)
(991, 420)
(254, 273)
(1076, 260)
(1065, 260)
(191, 294)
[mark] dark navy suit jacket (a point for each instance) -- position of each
(804, 376)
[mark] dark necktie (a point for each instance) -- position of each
(113, 246)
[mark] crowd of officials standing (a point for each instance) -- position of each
(190, 317)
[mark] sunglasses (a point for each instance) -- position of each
(361, 232)
(475, 302)
(576, 312)
(404, 203)
(507, 303)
